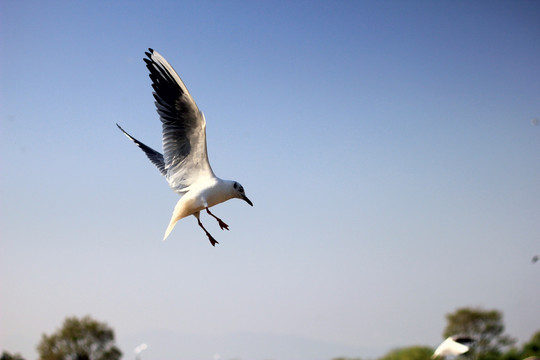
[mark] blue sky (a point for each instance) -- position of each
(389, 148)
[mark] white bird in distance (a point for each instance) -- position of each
(140, 348)
(453, 345)
(184, 162)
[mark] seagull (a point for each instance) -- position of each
(453, 345)
(535, 259)
(140, 348)
(184, 162)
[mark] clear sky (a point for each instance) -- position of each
(389, 147)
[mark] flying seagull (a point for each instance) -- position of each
(453, 345)
(184, 162)
(140, 348)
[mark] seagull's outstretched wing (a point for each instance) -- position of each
(453, 345)
(184, 126)
(155, 157)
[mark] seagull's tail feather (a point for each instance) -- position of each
(155, 157)
(178, 213)
(169, 228)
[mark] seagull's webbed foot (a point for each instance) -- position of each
(222, 224)
(210, 237)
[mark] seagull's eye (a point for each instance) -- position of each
(235, 185)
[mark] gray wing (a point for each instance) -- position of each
(184, 126)
(155, 157)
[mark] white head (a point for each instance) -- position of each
(238, 192)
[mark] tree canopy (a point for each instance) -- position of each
(409, 353)
(485, 326)
(532, 348)
(88, 339)
(7, 356)
(80, 339)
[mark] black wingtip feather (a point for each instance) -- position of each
(124, 131)
(155, 157)
(464, 339)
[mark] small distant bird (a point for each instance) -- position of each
(185, 162)
(453, 345)
(535, 259)
(140, 348)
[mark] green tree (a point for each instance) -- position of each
(79, 339)
(532, 348)
(485, 326)
(409, 353)
(8, 356)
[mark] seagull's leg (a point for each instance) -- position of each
(210, 237)
(222, 225)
